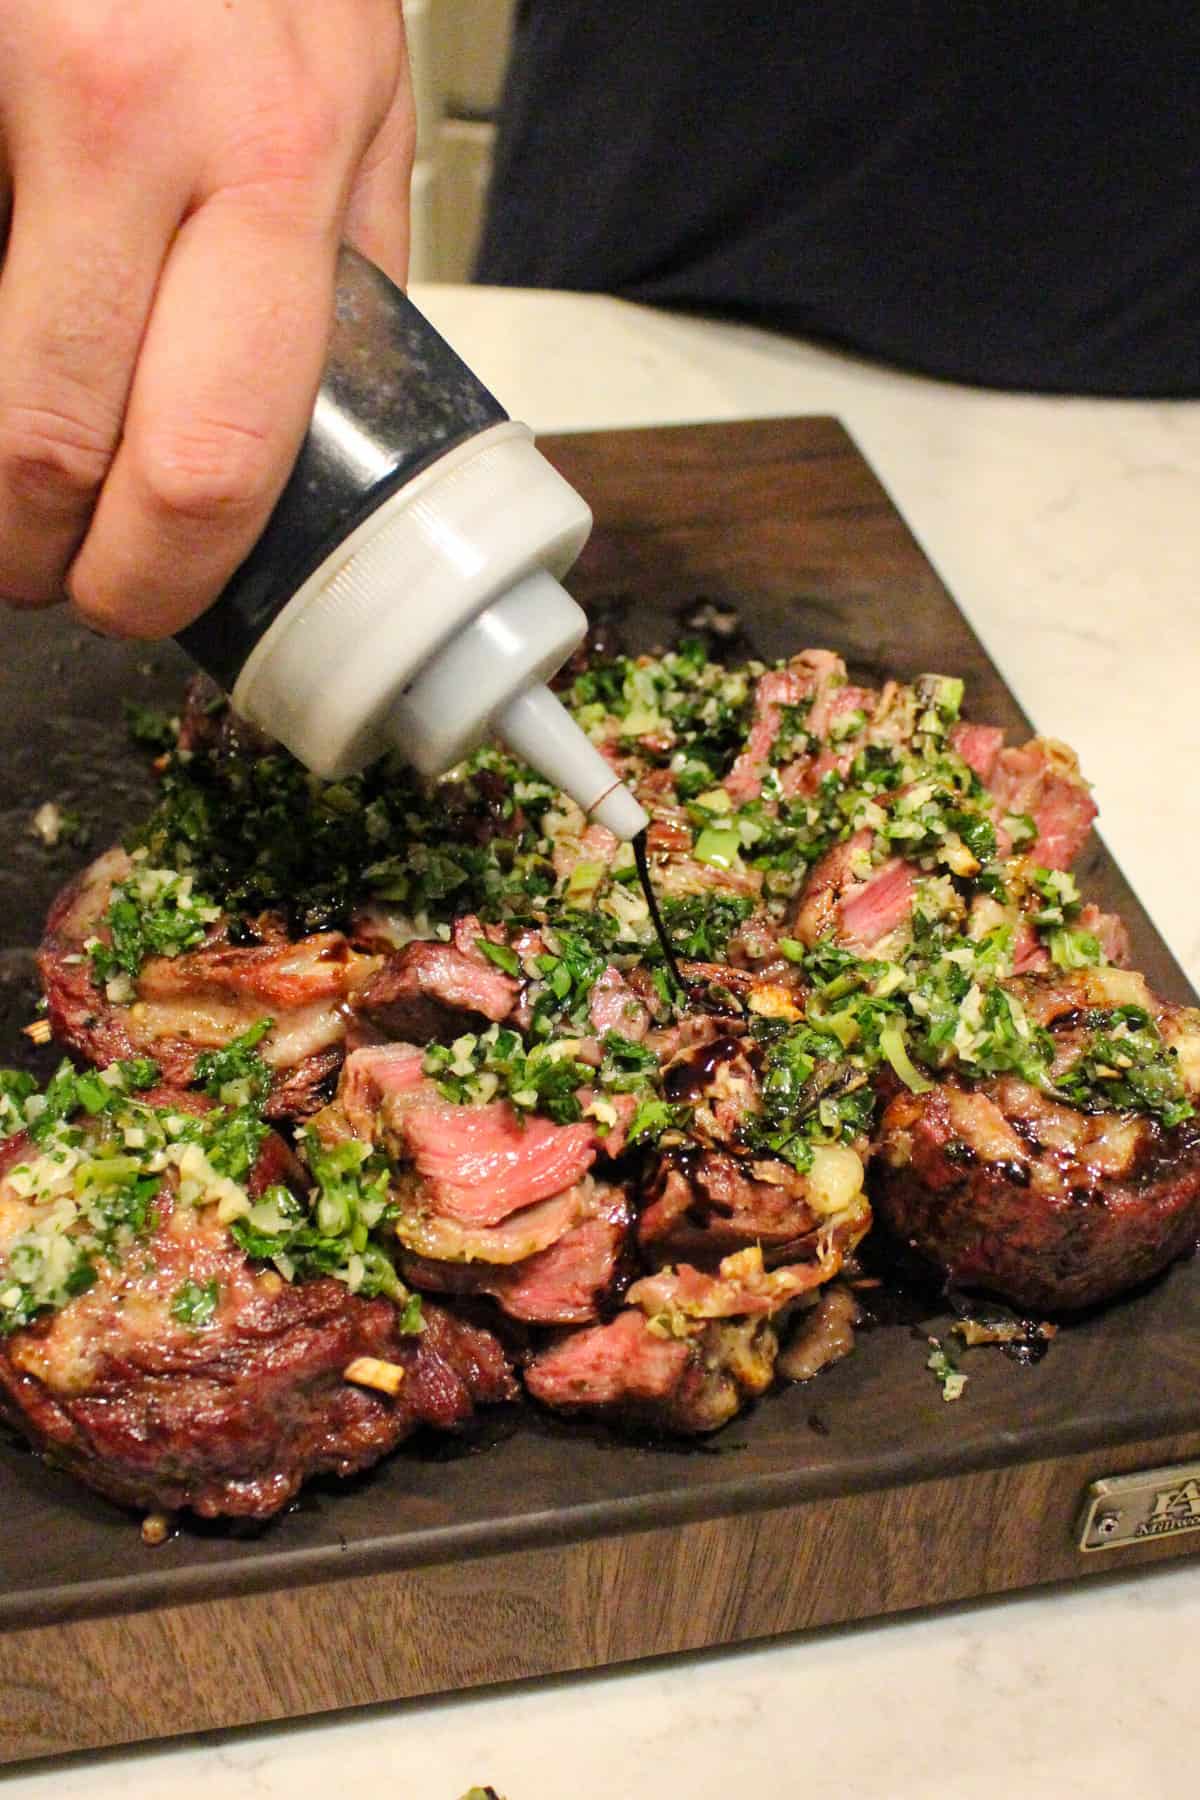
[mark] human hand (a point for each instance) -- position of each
(177, 180)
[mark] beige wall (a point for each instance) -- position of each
(458, 50)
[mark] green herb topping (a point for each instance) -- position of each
(99, 1154)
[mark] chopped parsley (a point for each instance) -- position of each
(195, 1302)
(99, 1155)
(548, 1078)
(149, 727)
(809, 1094)
(337, 1231)
(497, 1064)
(701, 925)
(236, 1073)
(1125, 1066)
(153, 912)
(239, 833)
(15, 1089)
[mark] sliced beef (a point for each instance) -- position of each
(370, 1077)
(431, 991)
(1005, 1188)
(1042, 779)
(478, 1164)
(711, 1196)
(637, 1378)
(232, 1416)
(1110, 932)
(772, 692)
(848, 898)
(322, 992)
(565, 1284)
(873, 909)
(576, 842)
(700, 1205)
(473, 1184)
(979, 746)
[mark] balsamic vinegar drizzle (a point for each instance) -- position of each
(700, 994)
(668, 949)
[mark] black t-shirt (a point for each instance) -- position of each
(1003, 193)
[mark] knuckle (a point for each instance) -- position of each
(106, 75)
(314, 132)
(51, 460)
(216, 472)
(293, 143)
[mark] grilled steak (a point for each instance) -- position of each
(180, 1005)
(1053, 1208)
(889, 986)
(175, 1370)
(232, 1420)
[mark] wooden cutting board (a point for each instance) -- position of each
(539, 1545)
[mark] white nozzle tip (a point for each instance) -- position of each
(538, 727)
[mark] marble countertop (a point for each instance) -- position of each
(1067, 531)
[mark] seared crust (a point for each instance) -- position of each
(186, 1004)
(1049, 1208)
(234, 1428)
(229, 1419)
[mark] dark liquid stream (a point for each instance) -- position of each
(668, 949)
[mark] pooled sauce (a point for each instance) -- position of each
(656, 919)
(688, 1078)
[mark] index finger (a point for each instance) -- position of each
(222, 396)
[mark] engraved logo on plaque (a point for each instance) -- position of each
(1174, 1509)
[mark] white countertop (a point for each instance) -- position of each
(1068, 531)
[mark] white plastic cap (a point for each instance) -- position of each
(489, 681)
(435, 624)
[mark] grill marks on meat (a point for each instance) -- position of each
(1054, 1209)
(230, 1418)
(1053, 1226)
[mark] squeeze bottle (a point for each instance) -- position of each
(406, 593)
